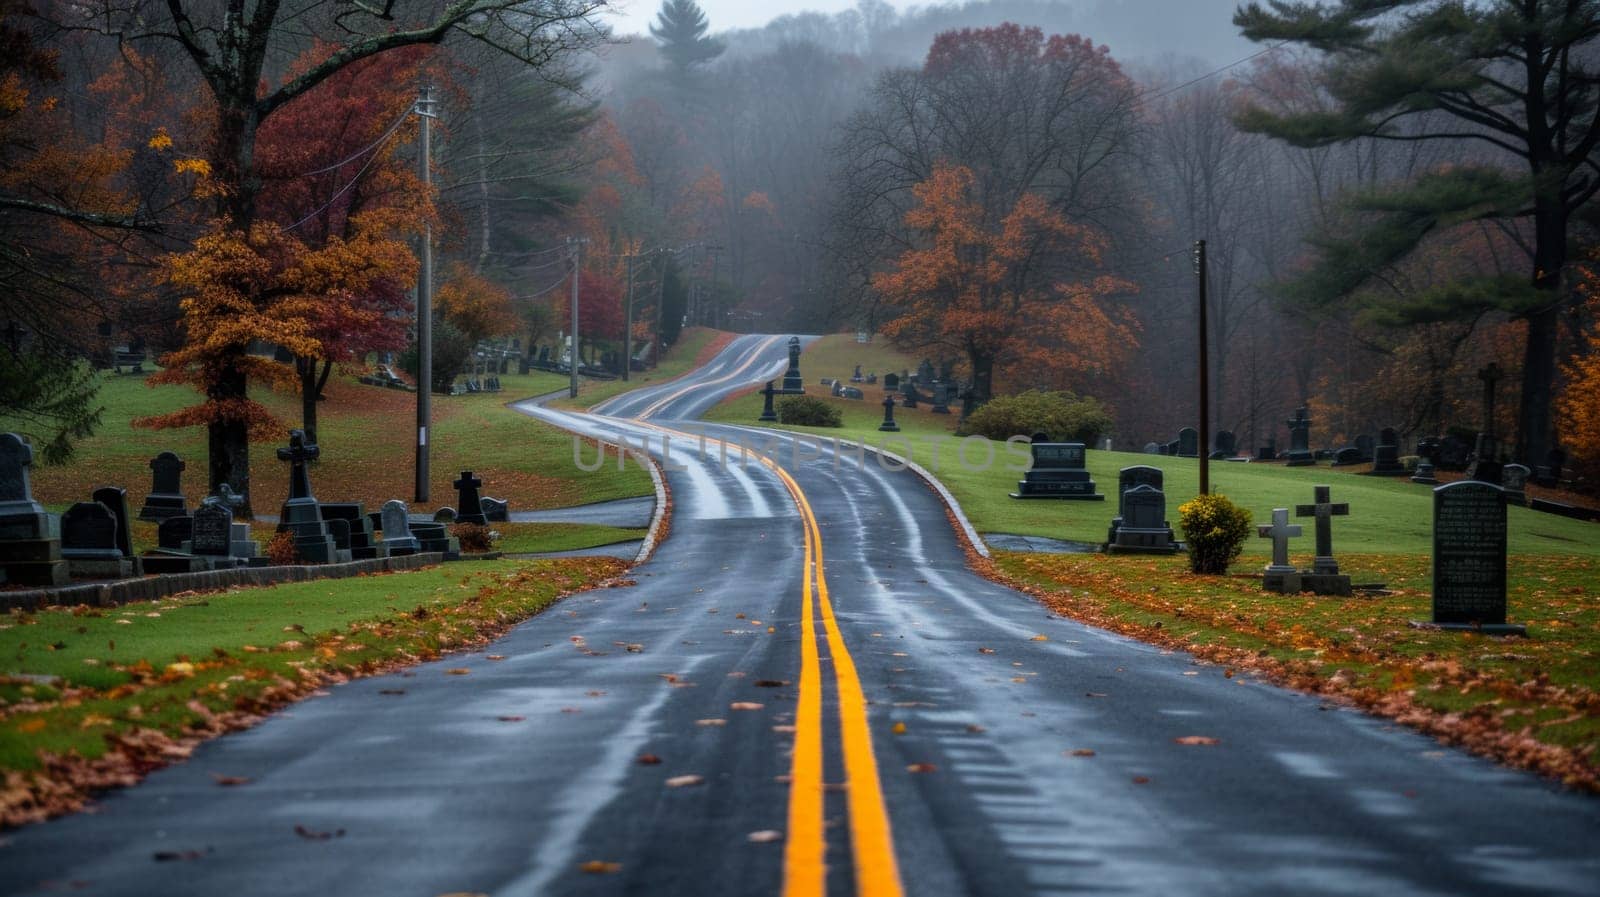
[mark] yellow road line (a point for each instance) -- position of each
(877, 872)
(656, 406)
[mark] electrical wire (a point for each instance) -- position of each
(1211, 74)
(335, 198)
(361, 152)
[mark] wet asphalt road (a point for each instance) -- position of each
(435, 793)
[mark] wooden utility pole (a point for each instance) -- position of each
(1205, 375)
(424, 108)
(627, 325)
(575, 255)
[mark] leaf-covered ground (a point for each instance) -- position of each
(1530, 702)
(92, 698)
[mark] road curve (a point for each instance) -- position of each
(810, 644)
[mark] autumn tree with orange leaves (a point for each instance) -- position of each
(988, 288)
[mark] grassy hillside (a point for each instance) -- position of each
(694, 347)
(1387, 516)
(366, 434)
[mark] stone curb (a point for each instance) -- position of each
(151, 588)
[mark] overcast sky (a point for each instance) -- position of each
(724, 14)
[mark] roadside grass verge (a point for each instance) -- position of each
(527, 538)
(96, 697)
(1528, 702)
(367, 436)
(695, 347)
(1387, 516)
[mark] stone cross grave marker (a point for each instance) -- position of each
(793, 384)
(298, 454)
(1485, 465)
(468, 500)
(768, 413)
(1280, 575)
(1300, 438)
(1469, 558)
(888, 425)
(1324, 510)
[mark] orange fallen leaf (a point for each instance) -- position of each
(600, 867)
(921, 767)
(1080, 752)
(985, 650)
(458, 671)
(711, 722)
(898, 728)
(685, 781)
(496, 657)
(1195, 739)
(227, 781)
(1041, 637)
(1141, 780)
(648, 760)
(745, 705)
(510, 719)
(770, 683)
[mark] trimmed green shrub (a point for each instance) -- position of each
(808, 411)
(1214, 528)
(1061, 415)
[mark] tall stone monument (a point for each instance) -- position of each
(30, 539)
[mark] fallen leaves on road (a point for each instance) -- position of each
(1079, 752)
(685, 781)
(898, 728)
(495, 657)
(648, 760)
(745, 705)
(765, 836)
(974, 728)
(711, 722)
(1195, 739)
(770, 683)
(1094, 694)
(169, 856)
(599, 867)
(1141, 780)
(229, 781)
(458, 671)
(391, 691)
(922, 767)
(310, 835)
(510, 719)
(1041, 637)
(985, 650)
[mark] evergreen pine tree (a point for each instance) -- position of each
(1520, 75)
(680, 28)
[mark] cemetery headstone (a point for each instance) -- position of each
(1366, 445)
(213, 530)
(1268, 452)
(1300, 439)
(435, 537)
(908, 392)
(360, 535)
(1188, 443)
(1386, 456)
(172, 532)
(1485, 465)
(166, 489)
(1348, 456)
(1324, 578)
(1058, 471)
(1548, 474)
(89, 532)
(1128, 478)
(857, 377)
(116, 498)
(446, 516)
(792, 382)
(1224, 445)
(1452, 453)
(1427, 454)
(468, 499)
(838, 389)
(496, 510)
(1514, 479)
(891, 382)
(851, 392)
(941, 398)
(1469, 558)
(1144, 528)
(768, 413)
(1280, 576)
(30, 539)
(301, 514)
(397, 537)
(1152, 448)
(925, 373)
(888, 425)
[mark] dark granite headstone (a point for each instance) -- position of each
(1386, 456)
(1514, 479)
(1365, 444)
(1469, 555)
(1268, 452)
(446, 516)
(172, 532)
(768, 413)
(1058, 471)
(166, 489)
(396, 528)
(212, 530)
(496, 510)
(1152, 448)
(891, 382)
(1224, 445)
(89, 530)
(1142, 527)
(1348, 457)
(469, 501)
(116, 498)
(1188, 443)
(1300, 439)
(851, 392)
(30, 539)
(793, 383)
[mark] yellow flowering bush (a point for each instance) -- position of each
(1214, 528)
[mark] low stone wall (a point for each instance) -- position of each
(150, 588)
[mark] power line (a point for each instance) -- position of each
(361, 152)
(1213, 73)
(335, 197)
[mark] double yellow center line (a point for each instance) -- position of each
(701, 384)
(877, 874)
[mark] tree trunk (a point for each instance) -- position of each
(228, 446)
(982, 375)
(1534, 429)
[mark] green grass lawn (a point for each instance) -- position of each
(522, 538)
(1491, 694)
(84, 680)
(695, 346)
(367, 436)
(1387, 516)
